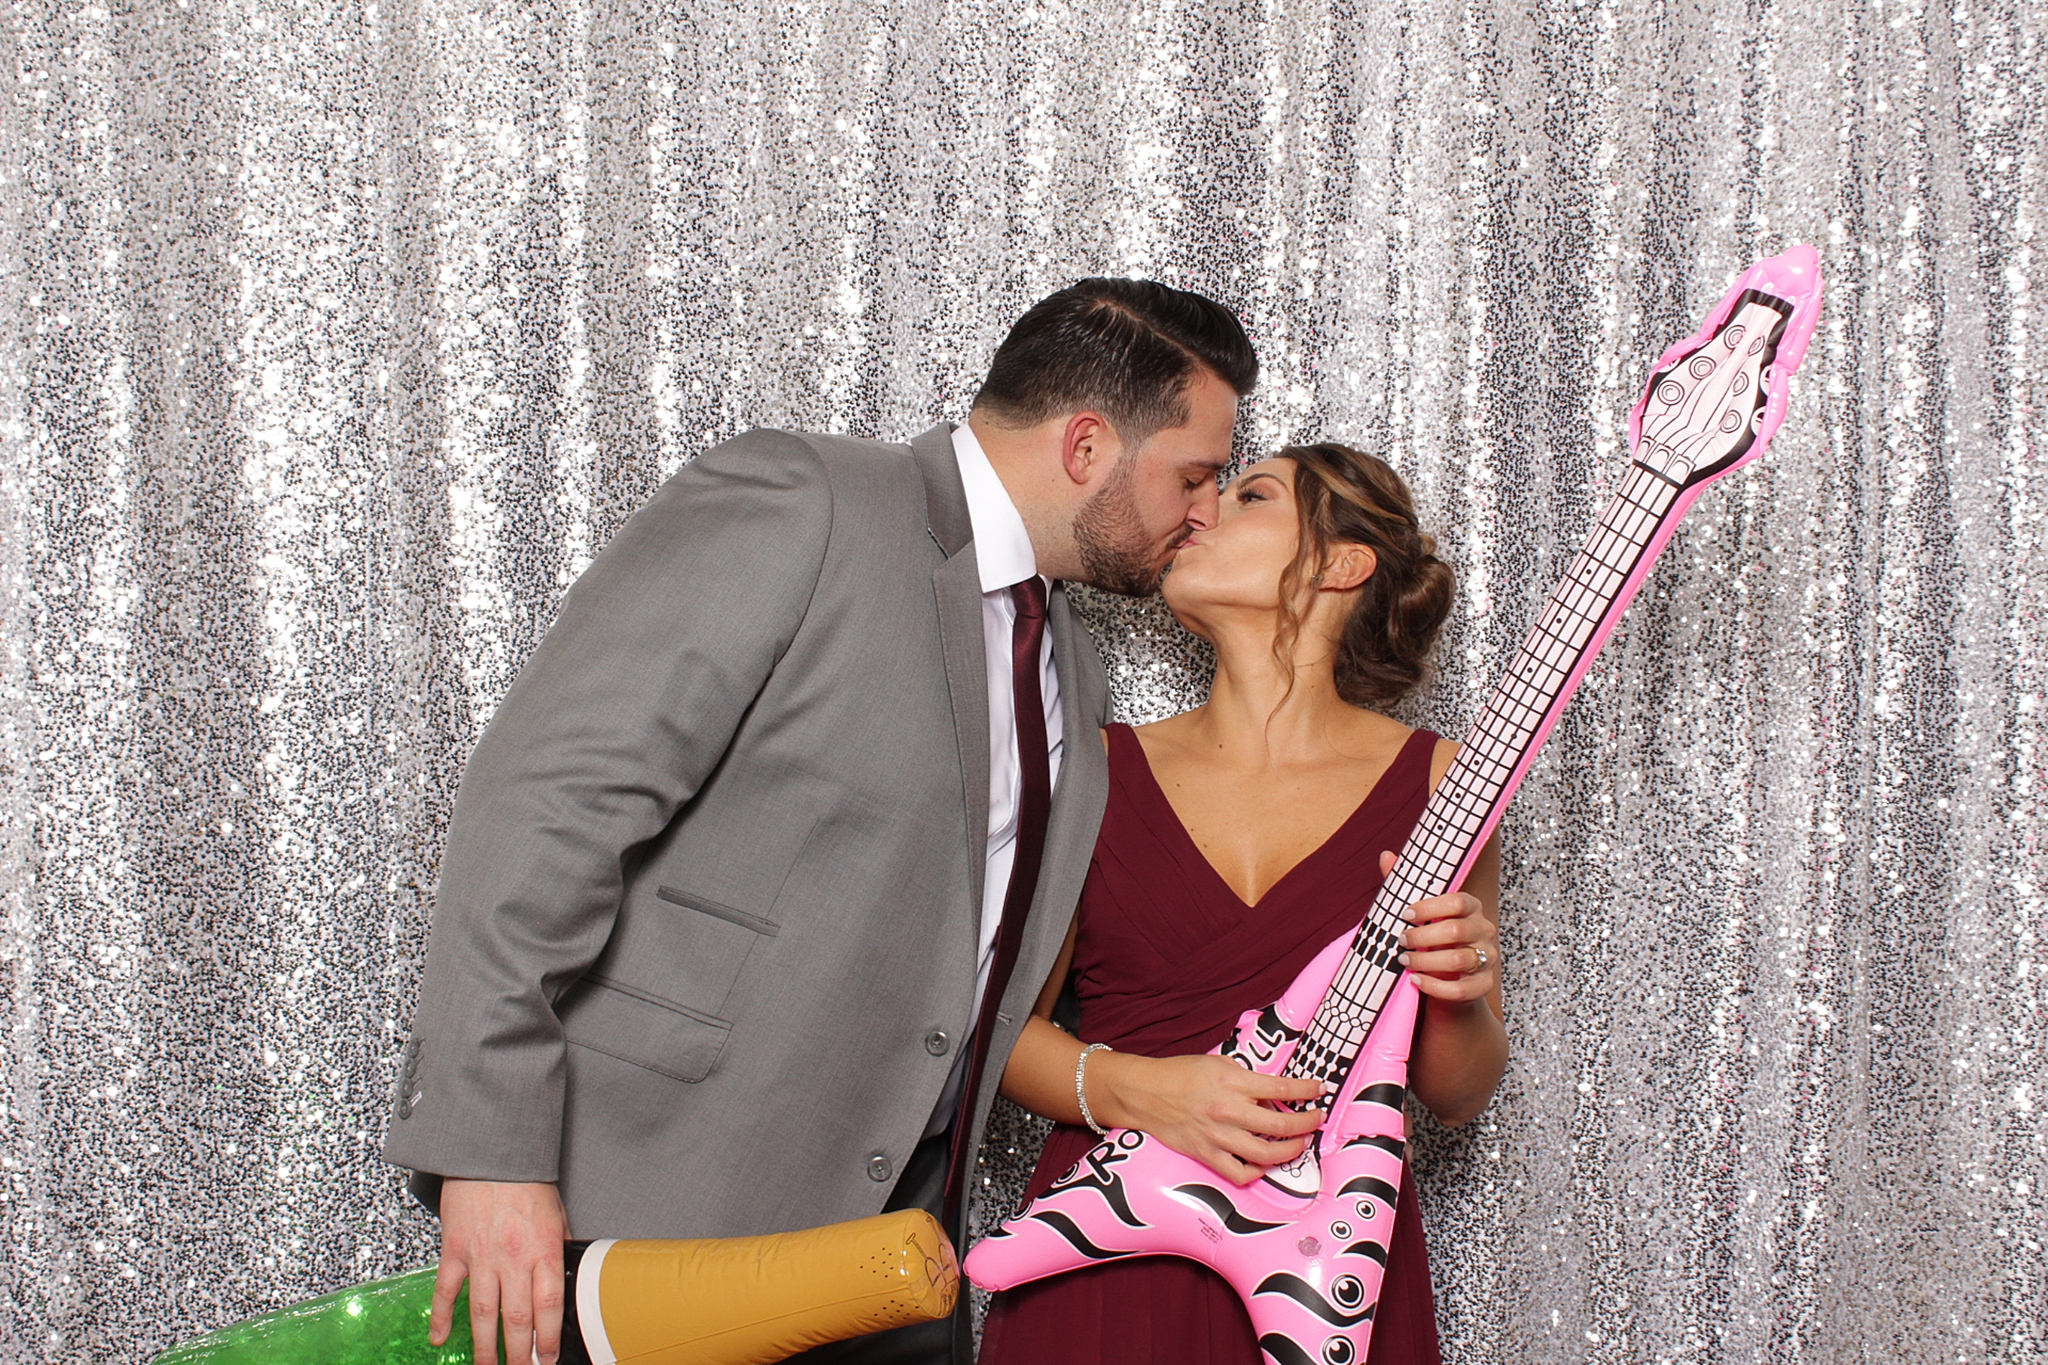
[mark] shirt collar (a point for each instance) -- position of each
(1002, 547)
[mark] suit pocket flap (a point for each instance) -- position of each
(718, 911)
(634, 1027)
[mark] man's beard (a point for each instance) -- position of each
(1116, 554)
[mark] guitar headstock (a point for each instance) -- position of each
(1716, 398)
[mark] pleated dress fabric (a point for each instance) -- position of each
(1166, 959)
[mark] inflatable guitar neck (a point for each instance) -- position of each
(1305, 1245)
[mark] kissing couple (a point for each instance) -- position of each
(772, 865)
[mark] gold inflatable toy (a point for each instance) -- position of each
(716, 1301)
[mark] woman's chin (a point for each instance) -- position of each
(1183, 595)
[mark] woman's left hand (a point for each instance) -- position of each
(1452, 947)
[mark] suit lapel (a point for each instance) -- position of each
(1083, 784)
(1080, 687)
(956, 584)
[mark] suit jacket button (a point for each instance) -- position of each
(936, 1042)
(878, 1168)
(405, 1107)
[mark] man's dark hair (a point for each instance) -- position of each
(1127, 349)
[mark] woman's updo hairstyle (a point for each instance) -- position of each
(1347, 496)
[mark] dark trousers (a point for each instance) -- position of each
(949, 1341)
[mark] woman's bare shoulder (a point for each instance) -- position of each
(1384, 737)
(1168, 736)
(1172, 729)
(1396, 735)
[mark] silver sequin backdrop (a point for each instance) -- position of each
(334, 338)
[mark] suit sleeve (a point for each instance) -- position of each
(614, 723)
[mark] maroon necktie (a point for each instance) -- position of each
(1033, 805)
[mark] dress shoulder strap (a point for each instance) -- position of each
(1410, 768)
(1123, 744)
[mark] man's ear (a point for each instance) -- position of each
(1348, 566)
(1088, 446)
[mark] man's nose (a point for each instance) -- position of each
(1208, 503)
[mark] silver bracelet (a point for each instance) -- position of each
(1081, 1091)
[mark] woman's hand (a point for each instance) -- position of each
(1206, 1107)
(1453, 946)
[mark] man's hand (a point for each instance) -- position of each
(506, 1240)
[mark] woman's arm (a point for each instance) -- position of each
(1205, 1107)
(1032, 1077)
(1461, 1049)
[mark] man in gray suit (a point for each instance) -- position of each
(757, 871)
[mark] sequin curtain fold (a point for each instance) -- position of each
(337, 338)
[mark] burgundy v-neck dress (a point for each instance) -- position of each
(1166, 959)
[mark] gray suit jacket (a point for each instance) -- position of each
(704, 945)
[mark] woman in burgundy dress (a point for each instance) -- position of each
(1240, 838)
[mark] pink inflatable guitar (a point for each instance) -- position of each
(1305, 1245)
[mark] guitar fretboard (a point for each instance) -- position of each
(1467, 802)
(1698, 419)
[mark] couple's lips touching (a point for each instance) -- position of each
(1173, 553)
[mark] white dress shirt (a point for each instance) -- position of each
(1003, 553)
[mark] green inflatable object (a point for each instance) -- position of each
(383, 1322)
